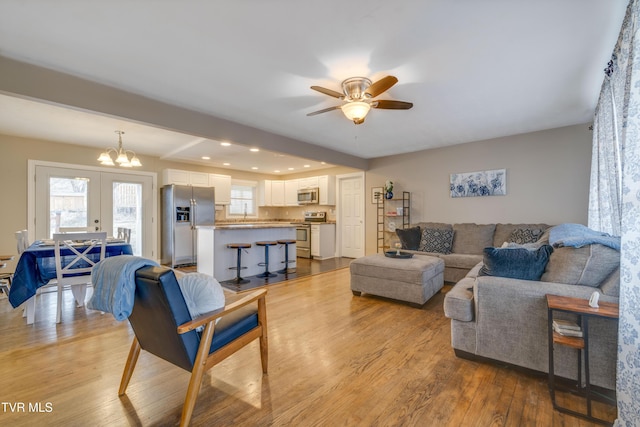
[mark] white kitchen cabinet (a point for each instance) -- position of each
(264, 192)
(277, 193)
(180, 177)
(308, 182)
(327, 190)
(222, 184)
(270, 193)
(323, 241)
(291, 192)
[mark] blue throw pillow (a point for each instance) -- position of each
(515, 263)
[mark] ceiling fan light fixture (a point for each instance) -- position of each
(356, 111)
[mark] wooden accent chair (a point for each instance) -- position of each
(163, 327)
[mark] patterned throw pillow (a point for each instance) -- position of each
(436, 240)
(525, 235)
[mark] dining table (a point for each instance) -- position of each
(37, 266)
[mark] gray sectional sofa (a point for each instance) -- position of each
(505, 319)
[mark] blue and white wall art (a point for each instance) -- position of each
(482, 183)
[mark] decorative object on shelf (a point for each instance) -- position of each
(593, 300)
(122, 155)
(388, 189)
(481, 183)
(376, 194)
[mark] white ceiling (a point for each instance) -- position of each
(473, 69)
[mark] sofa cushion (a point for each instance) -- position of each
(439, 225)
(463, 261)
(588, 266)
(515, 263)
(409, 237)
(503, 232)
(436, 240)
(472, 238)
(611, 285)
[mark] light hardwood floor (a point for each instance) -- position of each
(334, 360)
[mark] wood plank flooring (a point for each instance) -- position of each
(335, 360)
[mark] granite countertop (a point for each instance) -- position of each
(253, 225)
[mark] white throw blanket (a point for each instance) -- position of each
(114, 284)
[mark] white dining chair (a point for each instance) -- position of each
(124, 234)
(76, 229)
(75, 270)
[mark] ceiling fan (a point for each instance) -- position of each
(358, 94)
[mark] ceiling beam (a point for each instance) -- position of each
(45, 85)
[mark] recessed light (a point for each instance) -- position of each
(255, 150)
(254, 168)
(225, 144)
(276, 171)
(206, 158)
(226, 164)
(290, 169)
(323, 163)
(307, 166)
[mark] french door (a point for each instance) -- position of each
(97, 200)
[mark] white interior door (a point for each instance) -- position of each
(104, 201)
(350, 218)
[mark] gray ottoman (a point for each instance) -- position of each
(413, 280)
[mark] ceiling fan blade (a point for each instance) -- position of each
(337, 107)
(380, 86)
(391, 105)
(328, 92)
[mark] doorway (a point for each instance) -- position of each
(79, 196)
(350, 218)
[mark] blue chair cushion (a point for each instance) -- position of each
(234, 325)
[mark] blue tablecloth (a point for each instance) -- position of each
(37, 265)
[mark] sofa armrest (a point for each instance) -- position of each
(458, 302)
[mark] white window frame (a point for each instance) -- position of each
(244, 183)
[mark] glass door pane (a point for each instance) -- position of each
(66, 198)
(127, 211)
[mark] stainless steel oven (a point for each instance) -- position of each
(303, 240)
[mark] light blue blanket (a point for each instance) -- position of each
(114, 285)
(577, 235)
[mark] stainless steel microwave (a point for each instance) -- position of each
(308, 196)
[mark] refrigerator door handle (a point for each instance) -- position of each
(193, 213)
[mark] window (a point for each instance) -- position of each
(243, 198)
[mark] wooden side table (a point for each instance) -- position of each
(581, 308)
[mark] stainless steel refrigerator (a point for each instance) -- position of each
(183, 209)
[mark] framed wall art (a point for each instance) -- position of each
(376, 193)
(479, 184)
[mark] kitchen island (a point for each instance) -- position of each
(214, 258)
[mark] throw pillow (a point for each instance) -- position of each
(525, 235)
(202, 293)
(409, 237)
(436, 240)
(516, 263)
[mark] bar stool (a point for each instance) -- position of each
(266, 245)
(239, 246)
(287, 261)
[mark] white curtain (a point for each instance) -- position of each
(614, 204)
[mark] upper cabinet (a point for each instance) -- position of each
(291, 192)
(308, 182)
(285, 193)
(327, 190)
(222, 183)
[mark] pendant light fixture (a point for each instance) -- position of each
(122, 155)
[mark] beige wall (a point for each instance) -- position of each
(547, 180)
(15, 153)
